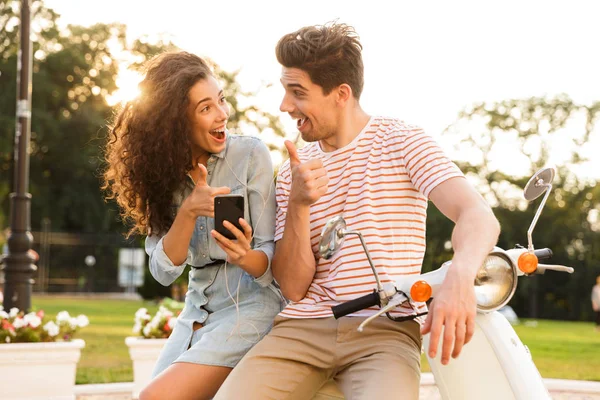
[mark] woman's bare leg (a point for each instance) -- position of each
(186, 381)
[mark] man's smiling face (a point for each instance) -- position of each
(303, 100)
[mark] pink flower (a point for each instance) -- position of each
(32, 326)
(159, 325)
(8, 326)
(171, 322)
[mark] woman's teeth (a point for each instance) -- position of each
(219, 134)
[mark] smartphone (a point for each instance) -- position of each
(228, 207)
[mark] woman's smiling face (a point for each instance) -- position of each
(208, 113)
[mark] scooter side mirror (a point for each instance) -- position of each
(332, 237)
(539, 183)
(332, 240)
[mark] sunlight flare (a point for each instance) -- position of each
(127, 87)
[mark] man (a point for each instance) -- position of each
(378, 172)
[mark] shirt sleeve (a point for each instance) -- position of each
(282, 193)
(426, 163)
(261, 202)
(161, 266)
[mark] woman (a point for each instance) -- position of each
(169, 154)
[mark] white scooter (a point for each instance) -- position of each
(494, 364)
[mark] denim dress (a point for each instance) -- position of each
(235, 309)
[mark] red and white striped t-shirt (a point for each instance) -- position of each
(380, 183)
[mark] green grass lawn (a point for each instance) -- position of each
(562, 350)
(565, 350)
(105, 357)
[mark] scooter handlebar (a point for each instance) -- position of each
(360, 303)
(543, 254)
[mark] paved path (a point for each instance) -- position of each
(431, 393)
(560, 389)
(427, 393)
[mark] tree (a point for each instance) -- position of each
(250, 116)
(568, 224)
(43, 34)
(535, 127)
(74, 70)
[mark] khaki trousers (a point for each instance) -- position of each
(299, 355)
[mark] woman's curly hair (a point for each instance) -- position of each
(148, 151)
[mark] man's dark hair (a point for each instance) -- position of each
(330, 54)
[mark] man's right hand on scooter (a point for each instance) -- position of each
(475, 232)
(452, 311)
(309, 179)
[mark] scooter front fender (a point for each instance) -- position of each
(494, 365)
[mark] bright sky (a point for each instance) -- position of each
(424, 60)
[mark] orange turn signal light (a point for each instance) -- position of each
(420, 291)
(528, 262)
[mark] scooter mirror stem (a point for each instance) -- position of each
(379, 286)
(548, 189)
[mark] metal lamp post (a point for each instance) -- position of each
(90, 261)
(18, 264)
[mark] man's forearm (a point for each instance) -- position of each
(474, 235)
(452, 312)
(294, 264)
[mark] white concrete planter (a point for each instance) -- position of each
(36, 371)
(144, 353)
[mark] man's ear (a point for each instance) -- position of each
(343, 94)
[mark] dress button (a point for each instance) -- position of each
(201, 228)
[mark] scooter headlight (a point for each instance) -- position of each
(495, 283)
